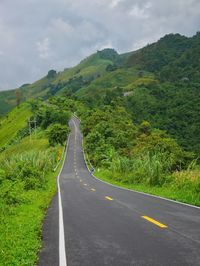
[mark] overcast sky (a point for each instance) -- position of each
(38, 35)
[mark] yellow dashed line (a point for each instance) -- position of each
(93, 189)
(154, 222)
(108, 198)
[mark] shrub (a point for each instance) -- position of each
(57, 134)
(11, 192)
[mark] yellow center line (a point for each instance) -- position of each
(93, 189)
(154, 222)
(108, 198)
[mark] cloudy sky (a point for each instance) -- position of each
(38, 35)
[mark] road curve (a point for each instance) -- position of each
(106, 225)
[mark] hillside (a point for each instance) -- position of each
(172, 58)
(140, 125)
(71, 79)
(161, 82)
(15, 121)
(27, 177)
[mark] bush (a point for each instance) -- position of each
(49, 114)
(26, 170)
(57, 134)
(11, 192)
(32, 177)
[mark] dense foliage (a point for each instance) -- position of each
(27, 178)
(171, 107)
(136, 154)
(161, 81)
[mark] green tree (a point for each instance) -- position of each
(57, 134)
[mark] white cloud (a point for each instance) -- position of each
(43, 48)
(115, 3)
(61, 26)
(40, 35)
(139, 13)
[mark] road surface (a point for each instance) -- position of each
(106, 225)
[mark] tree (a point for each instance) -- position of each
(51, 74)
(57, 134)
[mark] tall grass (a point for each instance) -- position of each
(23, 172)
(154, 173)
(150, 168)
(41, 160)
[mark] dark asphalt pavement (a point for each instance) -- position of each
(104, 225)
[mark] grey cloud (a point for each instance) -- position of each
(39, 35)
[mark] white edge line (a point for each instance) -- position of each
(146, 194)
(132, 190)
(62, 251)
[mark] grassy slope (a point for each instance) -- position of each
(21, 230)
(119, 78)
(13, 122)
(37, 89)
(89, 67)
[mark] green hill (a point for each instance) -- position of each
(173, 57)
(71, 79)
(160, 82)
(13, 122)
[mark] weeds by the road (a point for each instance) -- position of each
(184, 186)
(27, 183)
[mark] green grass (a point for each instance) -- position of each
(13, 122)
(166, 191)
(21, 230)
(7, 101)
(26, 145)
(120, 78)
(21, 223)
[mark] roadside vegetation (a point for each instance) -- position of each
(28, 180)
(139, 156)
(140, 120)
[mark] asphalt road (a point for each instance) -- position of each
(106, 225)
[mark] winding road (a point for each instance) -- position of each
(100, 224)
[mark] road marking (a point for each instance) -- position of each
(93, 189)
(62, 252)
(108, 198)
(154, 221)
(80, 180)
(85, 184)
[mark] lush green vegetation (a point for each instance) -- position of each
(11, 124)
(27, 178)
(140, 119)
(138, 155)
(171, 107)
(174, 192)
